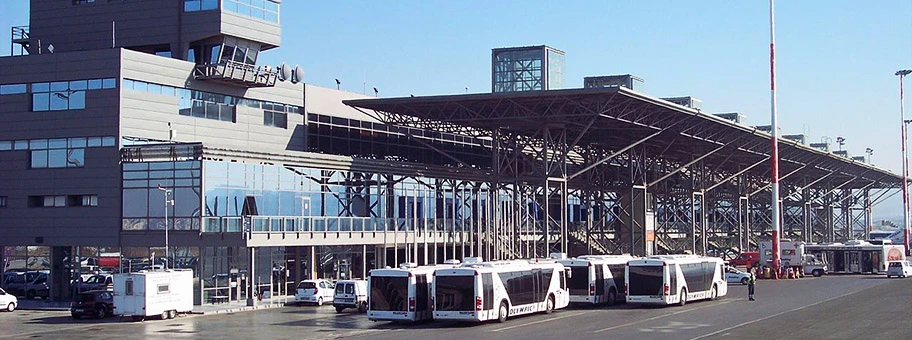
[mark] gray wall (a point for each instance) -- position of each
(20, 225)
(89, 26)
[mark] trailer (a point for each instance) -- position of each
(156, 293)
(794, 254)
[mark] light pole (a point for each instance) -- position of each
(905, 171)
(167, 193)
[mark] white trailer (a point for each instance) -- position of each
(793, 254)
(163, 293)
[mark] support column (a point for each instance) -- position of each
(299, 267)
(59, 278)
(312, 262)
(251, 278)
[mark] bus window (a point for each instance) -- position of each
(389, 293)
(645, 280)
(455, 293)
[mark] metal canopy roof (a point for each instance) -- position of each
(614, 118)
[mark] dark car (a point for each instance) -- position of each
(97, 303)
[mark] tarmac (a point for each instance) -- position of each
(206, 309)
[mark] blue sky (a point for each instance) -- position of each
(835, 59)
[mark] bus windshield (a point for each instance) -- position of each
(389, 293)
(579, 280)
(455, 293)
(645, 280)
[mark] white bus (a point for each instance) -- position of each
(597, 279)
(401, 294)
(669, 279)
(500, 289)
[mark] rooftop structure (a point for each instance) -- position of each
(530, 68)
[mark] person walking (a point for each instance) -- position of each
(750, 287)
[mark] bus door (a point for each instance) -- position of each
(867, 262)
(853, 262)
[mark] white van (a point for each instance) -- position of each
(899, 268)
(350, 294)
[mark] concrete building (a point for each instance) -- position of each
(268, 180)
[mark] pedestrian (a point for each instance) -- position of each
(750, 287)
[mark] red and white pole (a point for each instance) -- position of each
(774, 154)
(905, 170)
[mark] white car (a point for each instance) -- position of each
(314, 291)
(8, 302)
(733, 275)
(899, 268)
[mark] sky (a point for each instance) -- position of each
(835, 59)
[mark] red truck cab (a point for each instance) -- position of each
(751, 258)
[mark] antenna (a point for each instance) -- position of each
(338, 83)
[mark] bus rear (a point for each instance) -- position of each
(455, 293)
(647, 282)
(582, 281)
(389, 296)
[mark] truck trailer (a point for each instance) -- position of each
(153, 293)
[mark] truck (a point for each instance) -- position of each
(793, 254)
(164, 294)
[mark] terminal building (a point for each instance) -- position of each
(158, 127)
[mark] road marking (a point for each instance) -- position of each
(662, 316)
(537, 322)
(772, 316)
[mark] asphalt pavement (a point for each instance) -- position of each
(830, 307)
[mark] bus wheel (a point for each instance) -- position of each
(714, 294)
(683, 300)
(549, 305)
(502, 312)
(612, 297)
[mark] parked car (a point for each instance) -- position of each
(8, 302)
(16, 282)
(748, 257)
(97, 282)
(899, 268)
(38, 287)
(350, 294)
(314, 291)
(733, 275)
(97, 303)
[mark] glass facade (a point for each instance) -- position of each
(533, 68)
(216, 106)
(265, 10)
(144, 204)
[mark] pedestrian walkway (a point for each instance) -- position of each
(219, 308)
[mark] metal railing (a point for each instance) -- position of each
(281, 224)
(237, 72)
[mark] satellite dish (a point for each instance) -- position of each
(297, 74)
(284, 72)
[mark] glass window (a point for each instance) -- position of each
(107, 141)
(127, 84)
(108, 83)
(57, 143)
(39, 159)
(59, 101)
(77, 142)
(78, 85)
(6, 145)
(21, 145)
(60, 86)
(77, 100)
(12, 88)
(191, 5)
(94, 142)
(38, 144)
(41, 101)
(40, 87)
(75, 158)
(209, 4)
(94, 84)
(57, 158)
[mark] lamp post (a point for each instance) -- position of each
(905, 171)
(167, 193)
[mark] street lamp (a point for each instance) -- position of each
(905, 184)
(167, 193)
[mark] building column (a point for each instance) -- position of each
(251, 279)
(299, 268)
(364, 261)
(312, 263)
(59, 278)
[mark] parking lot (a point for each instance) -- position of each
(866, 306)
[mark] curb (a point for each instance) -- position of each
(238, 309)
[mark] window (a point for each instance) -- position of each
(3, 200)
(275, 118)
(63, 95)
(54, 153)
(200, 5)
(82, 200)
(128, 287)
(164, 288)
(266, 10)
(12, 89)
(83, 2)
